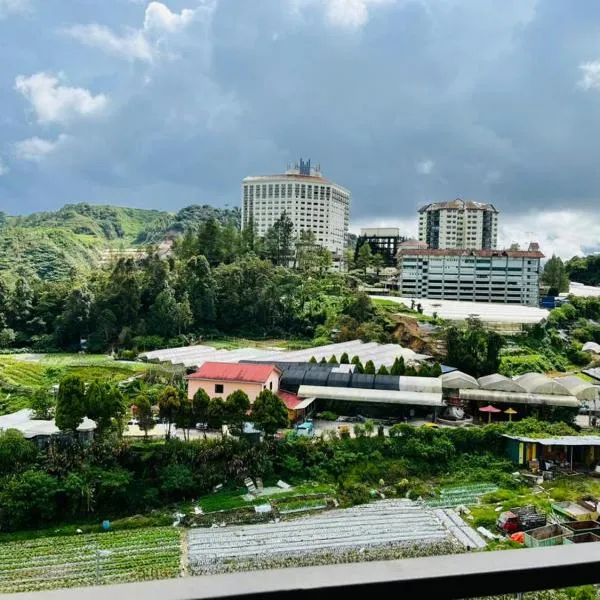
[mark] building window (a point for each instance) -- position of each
(271, 385)
(218, 388)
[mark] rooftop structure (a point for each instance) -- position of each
(459, 224)
(312, 203)
(251, 373)
(31, 428)
(583, 291)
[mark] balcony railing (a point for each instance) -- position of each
(437, 578)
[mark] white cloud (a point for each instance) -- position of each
(141, 44)
(3, 168)
(425, 167)
(159, 18)
(351, 14)
(36, 149)
(132, 46)
(591, 75)
(53, 102)
(8, 7)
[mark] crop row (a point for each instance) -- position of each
(50, 563)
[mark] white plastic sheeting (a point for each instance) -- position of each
(492, 396)
(591, 347)
(582, 390)
(499, 382)
(194, 356)
(537, 383)
(387, 522)
(454, 310)
(457, 379)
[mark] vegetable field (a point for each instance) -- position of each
(60, 562)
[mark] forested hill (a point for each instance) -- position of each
(584, 269)
(51, 244)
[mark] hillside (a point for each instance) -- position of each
(51, 244)
(584, 269)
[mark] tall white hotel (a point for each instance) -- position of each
(309, 200)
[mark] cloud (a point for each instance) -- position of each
(8, 7)
(591, 75)
(36, 149)
(3, 168)
(53, 102)
(143, 44)
(133, 45)
(425, 167)
(351, 14)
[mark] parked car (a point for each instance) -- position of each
(133, 422)
(201, 426)
(306, 429)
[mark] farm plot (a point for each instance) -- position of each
(461, 495)
(60, 562)
(383, 524)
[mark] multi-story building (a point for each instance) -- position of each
(383, 240)
(506, 276)
(459, 224)
(312, 202)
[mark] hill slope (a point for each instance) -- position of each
(50, 244)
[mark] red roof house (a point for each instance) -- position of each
(221, 379)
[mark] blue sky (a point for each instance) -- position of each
(165, 104)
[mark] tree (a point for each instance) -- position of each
(398, 367)
(333, 360)
(383, 370)
(144, 414)
(369, 427)
(323, 361)
(162, 318)
(169, 403)
(370, 367)
(278, 241)
(358, 367)
(364, 258)
(42, 404)
(200, 406)
(344, 360)
(185, 418)
(183, 314)
(377, 262)
(22, 304)
(237, 405)
(555, 276)
(436, 370)
(216, 413)
(269, 413)
(70, 404)
(73, 323)
(197, 280)
(16, 453)
(473, 349)
(104, 403)
(313, 360)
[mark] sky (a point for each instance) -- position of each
(404, 102)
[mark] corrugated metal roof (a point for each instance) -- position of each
(252, 373)
(373, 396)
(291, 401)
(563, 440)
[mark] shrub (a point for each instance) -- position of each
(327, 415)
(356, 493)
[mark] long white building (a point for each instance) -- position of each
(312, 202)
(505, 276)
(459, 224)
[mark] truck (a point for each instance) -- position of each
(520, 519)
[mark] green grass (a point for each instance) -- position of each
(233, 343)
(232, 499)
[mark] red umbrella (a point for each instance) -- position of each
(489, 409)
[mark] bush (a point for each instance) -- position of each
(327, 415)
(356, 493)
(127, 355)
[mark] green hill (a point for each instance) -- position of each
(50, 244)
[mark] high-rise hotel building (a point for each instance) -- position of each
(309, 200)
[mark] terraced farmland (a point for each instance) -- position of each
(60, 562)
(388, 523)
